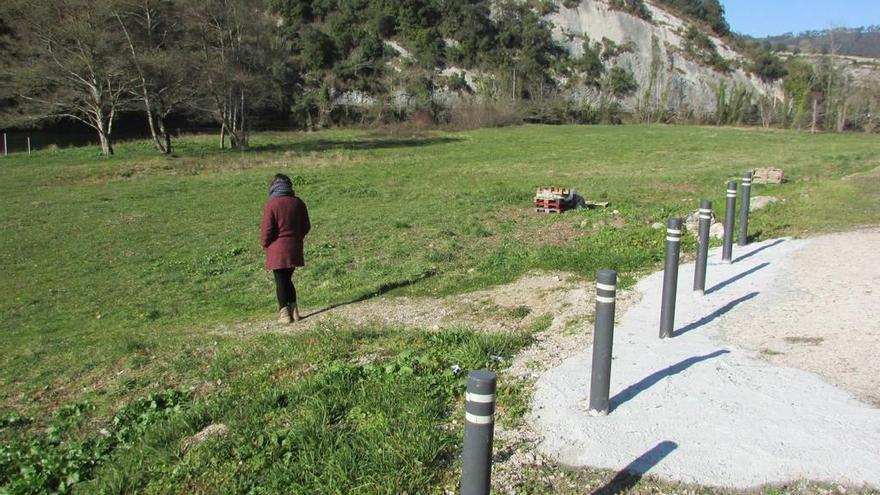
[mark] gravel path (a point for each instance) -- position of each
(825, 316)
(706, 406)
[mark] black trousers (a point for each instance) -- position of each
(284, 288)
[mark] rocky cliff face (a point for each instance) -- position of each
(668, 78)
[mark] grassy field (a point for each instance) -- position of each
(116, 272)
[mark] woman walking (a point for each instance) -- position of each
(285, 225)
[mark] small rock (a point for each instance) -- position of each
(692, 221)
(615, 212)
(761, 202)
(209, 431)
(656, 225)
(716, 231)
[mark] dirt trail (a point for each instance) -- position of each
(562, 298)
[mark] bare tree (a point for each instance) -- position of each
(160, 61)
(74, 67)
(235, 51)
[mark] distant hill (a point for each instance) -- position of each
(856, 42)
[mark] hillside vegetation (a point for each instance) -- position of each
(134, 305)
(856, 42)
(245, 64)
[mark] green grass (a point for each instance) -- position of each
(135, 275)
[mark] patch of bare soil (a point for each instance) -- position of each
(528, 303)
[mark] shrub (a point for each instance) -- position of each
(698, 46)
(634, 7)
(767, 66)
(621, 82)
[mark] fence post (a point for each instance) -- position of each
(5, 147)
(479, 429)
(29, 145)
(703, 246)
(603, 340)
(670, 277)
(729, 219)
(744, 210)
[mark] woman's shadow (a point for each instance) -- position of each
(382, 289)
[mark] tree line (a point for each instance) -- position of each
(239, 62)
(90, 60)
(858, 42)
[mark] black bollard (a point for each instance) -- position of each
(670, 277)
(603, 339)
(744, 210)
(703, 246)
(479, 429)
(729, 219)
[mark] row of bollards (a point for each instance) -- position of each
(479, 429)
(670, 271)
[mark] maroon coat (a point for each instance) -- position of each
(285, 224)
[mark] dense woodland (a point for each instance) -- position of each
(314, 63)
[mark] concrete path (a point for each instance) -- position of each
(696, 409)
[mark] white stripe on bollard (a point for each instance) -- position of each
(478, 420)
(605, 286)
(480, 398)
(605, 300)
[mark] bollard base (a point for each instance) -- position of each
(700, 292)
(726, 262)
(597, 414)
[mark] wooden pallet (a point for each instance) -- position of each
(546, 203)
(768, 176)
(551, 210)
(555, 191)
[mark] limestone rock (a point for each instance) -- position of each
(692, 221)
(218, 429)
(761, 202)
